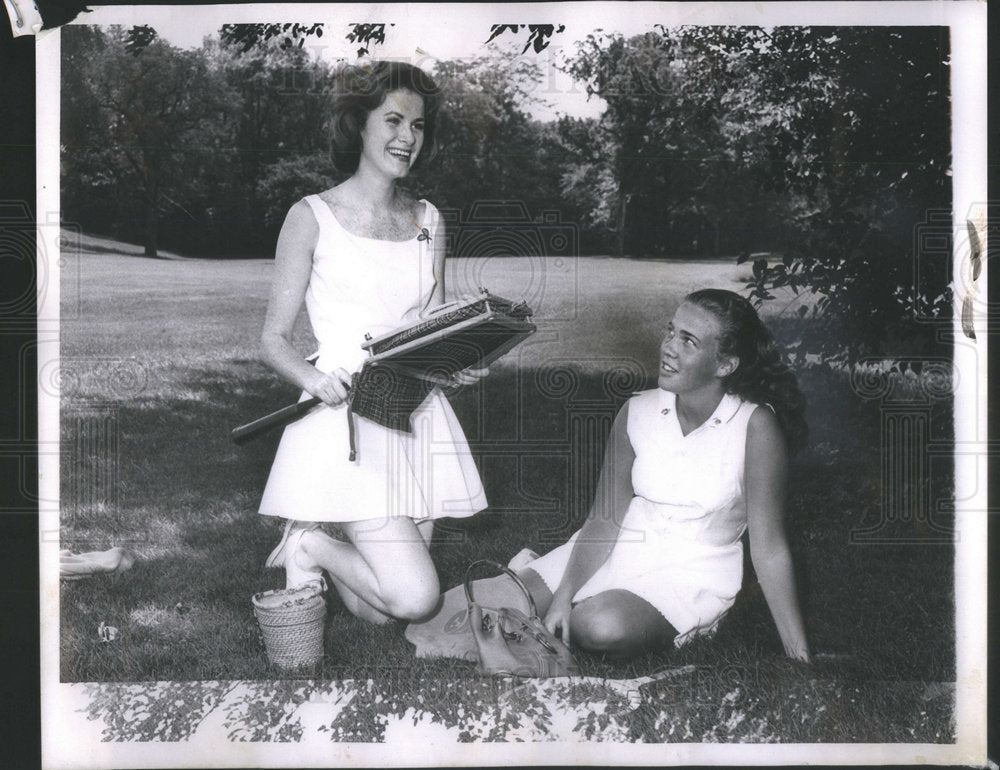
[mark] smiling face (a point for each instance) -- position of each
(689, 355)
(393, 134)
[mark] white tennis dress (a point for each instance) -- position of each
(679, 547)
(365, 285)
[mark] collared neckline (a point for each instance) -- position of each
(724, 412)
(665, 401)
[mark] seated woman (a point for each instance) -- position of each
(690, 466)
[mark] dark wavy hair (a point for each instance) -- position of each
(361, 89)
(762, 375)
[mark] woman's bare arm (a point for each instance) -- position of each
(439, 243)
(292, 268)
(766, 488)
(600, 531)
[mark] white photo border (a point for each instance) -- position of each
(69, 740)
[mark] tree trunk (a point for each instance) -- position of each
(623, 201)
(152, 227)
(623, 197)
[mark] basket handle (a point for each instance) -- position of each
(496, 565)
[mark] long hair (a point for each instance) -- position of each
(361, 89)
(762, 375)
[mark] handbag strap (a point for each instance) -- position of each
(502, 568)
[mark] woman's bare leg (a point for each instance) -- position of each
(618, 624)
(358, 606)
(385, 564)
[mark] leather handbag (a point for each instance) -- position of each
(512, 643)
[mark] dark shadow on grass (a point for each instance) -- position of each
(538, 437)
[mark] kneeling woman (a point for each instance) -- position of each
(365, 257)
(690, 466)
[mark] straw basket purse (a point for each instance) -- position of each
(291, 624)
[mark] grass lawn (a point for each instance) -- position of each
(159, 363)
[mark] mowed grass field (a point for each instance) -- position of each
(159, 363)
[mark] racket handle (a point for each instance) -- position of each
(281, 417)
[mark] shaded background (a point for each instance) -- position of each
(820, 153)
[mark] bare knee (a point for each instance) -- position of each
(601, 632)
(412, 602)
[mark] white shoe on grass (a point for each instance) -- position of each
(285, 552)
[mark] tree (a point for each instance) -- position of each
(276, 117)
(148, 124)
(88, 185)
(675, 175)
(587, 180)
(825, 145)
(249, 36)
(865, 153)
(490, 148)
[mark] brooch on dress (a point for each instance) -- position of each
(424, 235)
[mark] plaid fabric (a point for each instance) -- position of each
(384, 395)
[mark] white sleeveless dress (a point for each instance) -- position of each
(679, 546)
(364, 285)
